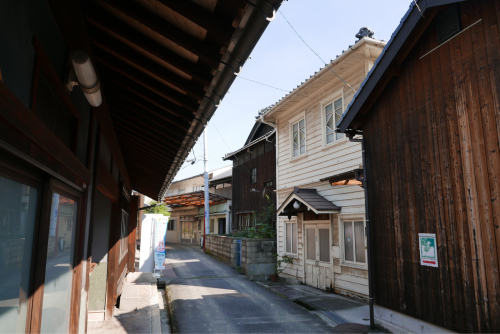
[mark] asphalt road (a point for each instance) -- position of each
(210, 297)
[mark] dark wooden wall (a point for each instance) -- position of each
(245, 201)
(433, 163)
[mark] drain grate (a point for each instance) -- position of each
(335, 317)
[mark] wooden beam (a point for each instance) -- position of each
(28, 125)
(113, 245)
(216, 24)
(150, 97)
(126, 34)
(140, 115)
(129, 144)
(144, 141)
(134, 59)
(119, 115)
(105, 182)
(143, 16)
(124, 96)
(136, 77)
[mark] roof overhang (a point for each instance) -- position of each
(413, 23)
(164, 66)
(196, 198)
(229, 156)
(334, 64)
(309, 200)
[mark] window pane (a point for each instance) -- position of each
(348, 242)
(288, 248)
(295, 152)
(17, 221)
(294, 238)
(359, 233)
(301, 124)
(329, 138)
(295, 127)
(337, 119)
(58, 268)
(338, 104)
(328, 109)
(302, 150)
(324, 245)
(329, 124)
(311, 244)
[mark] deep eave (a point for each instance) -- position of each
(378, 77)
(162, 67)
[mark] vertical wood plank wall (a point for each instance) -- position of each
(433, 158)
(243, 200)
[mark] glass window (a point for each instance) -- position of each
(354, 241)
(299, 138)
(171, 225)
(212, 226)
(291, 238)
(58, 267)
(254, 175)
(268, 184)
(17, 220)
(311, 244)
(324, 245)
(333, 114)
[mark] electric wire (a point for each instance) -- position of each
(263, 84)
(314, 51)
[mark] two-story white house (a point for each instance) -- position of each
(321, 212)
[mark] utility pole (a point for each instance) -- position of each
(207, 204)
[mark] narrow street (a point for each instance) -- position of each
(209, 296)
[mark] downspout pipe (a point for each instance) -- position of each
(364, 181)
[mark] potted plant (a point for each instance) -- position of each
(278, 269)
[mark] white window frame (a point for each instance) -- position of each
(343, 261)
(285, 226)
(324, 103)
(295, 120)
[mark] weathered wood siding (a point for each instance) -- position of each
(434, 167)
(243, 200)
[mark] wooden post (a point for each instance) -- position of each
(132, 227)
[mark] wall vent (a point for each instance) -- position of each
(448, 24)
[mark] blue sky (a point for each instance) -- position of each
(280, 59)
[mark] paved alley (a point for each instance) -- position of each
(209, 296)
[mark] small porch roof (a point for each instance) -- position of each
(196, 198)
(309, 199)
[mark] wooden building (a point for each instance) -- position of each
(324, 233)
(254, 176)
(99, 98)
(429, 113)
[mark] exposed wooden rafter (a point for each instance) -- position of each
(126, 34)
(141, 15)
(128, 56)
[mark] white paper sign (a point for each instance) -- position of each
(428, 249)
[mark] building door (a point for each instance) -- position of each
(187, 234)
(317, 255)
(222, 226)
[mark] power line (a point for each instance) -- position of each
(315, 51)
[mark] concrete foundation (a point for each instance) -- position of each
(396, 322)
